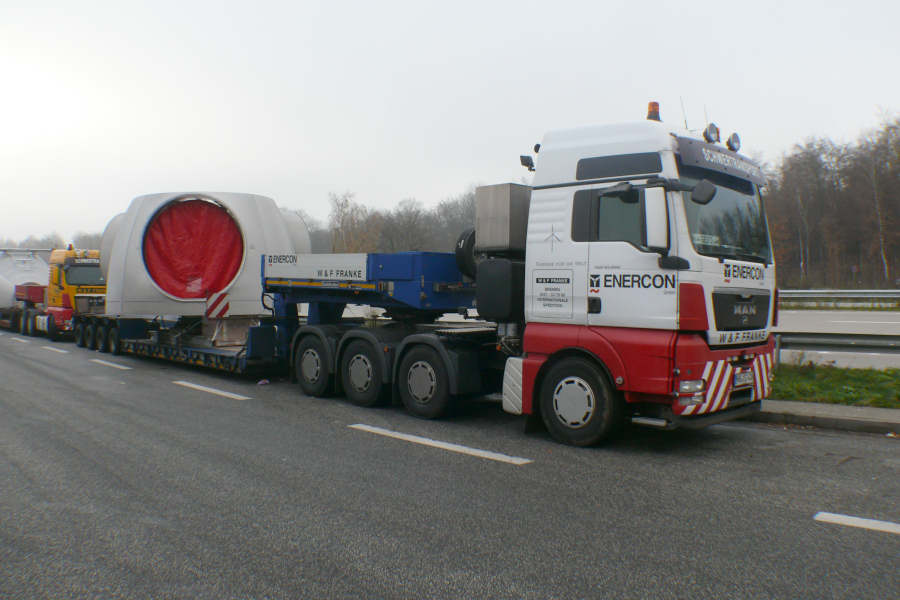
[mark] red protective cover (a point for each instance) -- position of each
(193, 249)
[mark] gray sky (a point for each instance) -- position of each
(104, 101)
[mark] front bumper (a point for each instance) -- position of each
(729, 414)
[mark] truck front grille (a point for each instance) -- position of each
(741, 309)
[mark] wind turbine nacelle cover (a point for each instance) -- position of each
(175, 253)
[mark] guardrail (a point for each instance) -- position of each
(836, 342)
(848, 342)
(882, 299)
(839, 294)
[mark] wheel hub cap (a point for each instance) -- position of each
(421, 381)
(573, 402)
(310, 365)
(360, 373)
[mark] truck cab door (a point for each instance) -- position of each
(54, 287)
(626, 286)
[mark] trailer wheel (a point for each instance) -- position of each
(362, 375)
(102, 338)
(29, 323)
(23, 319)
(52, 333)
(78, 334)
(578, 405)
(90, 336)
(423, 383)
(112, 344)
(310, 367)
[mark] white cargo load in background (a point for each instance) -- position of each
(195, 254)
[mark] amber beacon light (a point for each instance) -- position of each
(653, 111)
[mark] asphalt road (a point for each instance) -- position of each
(120, 483)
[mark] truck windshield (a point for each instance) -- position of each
(84, 275)
(733, 224)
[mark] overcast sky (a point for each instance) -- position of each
(104, 101)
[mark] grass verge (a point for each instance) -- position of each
(831, 385)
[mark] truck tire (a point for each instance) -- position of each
(52, 333)
(90, 336)
(311, 368)
(423, 383)
(23, 319)
(362, 374)
(112, 341)
(29, 323)
(465, 253)
(578, 405)
(78, 334)
(102, 338)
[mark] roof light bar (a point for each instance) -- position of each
(711, 133)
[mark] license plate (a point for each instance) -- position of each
(743, 378)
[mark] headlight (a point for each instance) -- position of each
(691, 386)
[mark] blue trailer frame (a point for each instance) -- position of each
(414, 288)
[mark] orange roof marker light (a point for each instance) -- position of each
(653, 111)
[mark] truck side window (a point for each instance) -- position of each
(597, 218)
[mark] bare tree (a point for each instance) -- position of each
(354, 228)
(87, 241)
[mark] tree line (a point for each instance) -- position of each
(54, 240)
(355, 227)
(834, 212)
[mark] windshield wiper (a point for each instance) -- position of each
(751, 258)
(731, 255)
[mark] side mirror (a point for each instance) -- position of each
(703, 192)
(656, 219)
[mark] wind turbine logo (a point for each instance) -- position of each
(552, 238)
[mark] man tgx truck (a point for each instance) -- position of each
(74, 286)
(634, 280)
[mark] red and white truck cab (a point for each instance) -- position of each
(645, 280)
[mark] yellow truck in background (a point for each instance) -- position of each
(74, 285)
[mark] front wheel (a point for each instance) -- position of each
(578, 405)
(423, 383)
(52, 333)
(310, 367)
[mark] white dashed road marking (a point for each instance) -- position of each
(513, 460)
(210, 390)
(110, 364)
(872, 524)
(20, 340)
(52, 349)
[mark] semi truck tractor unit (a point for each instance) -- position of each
(634, 281)
(182, 272)
(49, 294)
